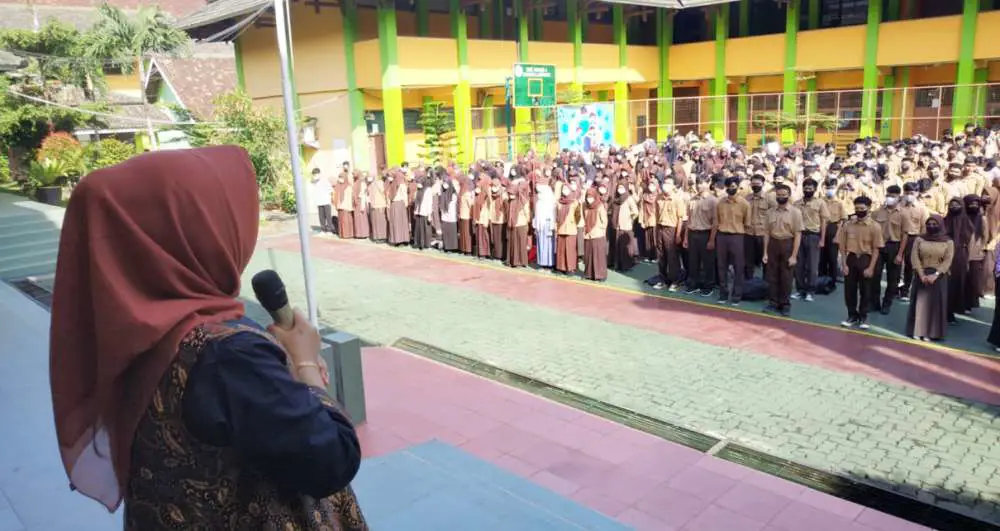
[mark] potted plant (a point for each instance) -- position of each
(45, 176)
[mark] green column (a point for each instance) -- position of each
(423, 18)
(719, 86)
(869, 98)
(622, 136)
(980, 92)
(576, 38)
(885, 130)
(892, 10)
(743, 113)
(814, 14)
(812, 99)
(790, 101)
(392, 94)
(523, 116)
(744, 18)
(664, 87)
(484, 21)
(965, 94)
(462, 98)
(241, 80)
(498, 18)
(537, 24)
(489, 113)
(355, 100)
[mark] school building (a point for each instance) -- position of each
(364, 68)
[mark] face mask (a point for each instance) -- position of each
(419, 186)
(478, 191)
(370, 179)
(621, 191)
(666, 188)
(808, 194)
(891, 201)
(444, 185)
(831, 192)
(565, 192)
(933, 229)
(573, 186)
(910, 199)
(731, 191)
(756, 188)
(866, 179)
(861, 214)
(590, 200)
(973, 210)
(652, 188)
(495, 189)
(781, 200)
(955, 210)
(602, 190)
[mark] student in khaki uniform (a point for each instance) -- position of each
(732, 219)
(837, 213)
(814, 218)
(781, 239)
(860, 240)
(701, 252)
(890, 257)
(760, 206)
(670, 214)
(914, 216)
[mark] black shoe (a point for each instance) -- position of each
(885, 309)
(785, 312)
(770, 308)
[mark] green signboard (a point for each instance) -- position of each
(534, 85)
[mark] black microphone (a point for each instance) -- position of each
(270, 292)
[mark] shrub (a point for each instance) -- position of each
(64, 149)
(108, 152)
(4, 168)
(287, 200)
(46, 172)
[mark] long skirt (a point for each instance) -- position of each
(928, 313)
(379, 224)
(974, 284)
(465, 236)
(399, 224)
(449, 236)
(483, 247)
(595, 259)
(362, 229)
(579, 243)
(989, 264)
(517, 246)
(545, 245)
(566, 257)
(498, 239)
(345, 219)
(423, 233)
(625, 250)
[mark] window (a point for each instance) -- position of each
(837, 13)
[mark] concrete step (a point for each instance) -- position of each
(21, 237)
(27, 256)
(40, 267)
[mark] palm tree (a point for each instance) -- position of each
(129, 41)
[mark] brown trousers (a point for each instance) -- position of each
(729, 253)
(779, 274)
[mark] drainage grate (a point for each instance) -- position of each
(857, 492)
(37, 293)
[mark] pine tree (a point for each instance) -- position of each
(438, 125)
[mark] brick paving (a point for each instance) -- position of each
(858, 420)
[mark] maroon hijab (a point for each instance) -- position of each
(150, 249)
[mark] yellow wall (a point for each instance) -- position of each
(124, 83)
(922, 41)
(754, 56)
(692, 61)
(831, 49)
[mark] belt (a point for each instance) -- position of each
(892, 241)
(814, 232)
(699, 230)
(731, 234)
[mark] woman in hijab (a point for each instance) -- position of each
(567, 216)
(544, 223)
(958, 225)
(344, 192)
(466, 198)
(498, 217)
(165, 396)
(931, 258)
(595, 247)
(647, 218)
(377, 209)
(481, 217)
(991, 217)
(518, 220)
(623, 212)
(397, 192)
(977, 251)
(448, 207)
(362, 227)
(423, 230)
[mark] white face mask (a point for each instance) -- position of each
(830, 192)
(602, 190)
(444, 185)
(621, 191)
(652, 188)
(573, 186)
(590, 200)
(891, 201)
(370, 179)
(910, 198)
(565, 192)
(419, 186)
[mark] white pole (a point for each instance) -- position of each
(301, 205)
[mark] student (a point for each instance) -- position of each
(931, 257)
(322, 190)
(595, 246)
(567, 218)
(814, 218)
(914, 216)
(781, 241)
(701, 252)
(837, 213)
(890, 257)
(860, 239)
(621, 242)
(732, 219)
(670, 213)
(760, 206)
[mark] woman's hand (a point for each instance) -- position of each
(302, 344)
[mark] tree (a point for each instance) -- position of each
(438, 125)
(778, 121)
(129, 42)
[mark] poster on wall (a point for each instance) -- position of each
(582, 127)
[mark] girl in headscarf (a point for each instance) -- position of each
(164, 394)
(481, 216)
(518, 220)
(959, 228)
(362, 228)
(448, 207)
(466, 198)
(567, 217)
(595, 246)
(544, 223)
(423, 231)
(377, 209)
(497, 202)
(344, 192)
(647, 218)
(397, 192)
(977, 251)
(931, 258)
(623, 213)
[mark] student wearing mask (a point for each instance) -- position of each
(567, 217)
(670, 216)
(595, 247)
(860, 239)
(977, 251)
(732, 218)
(914, 216)
(837, 213)
(815, 217)
(697, 241)
(781, 241)
(322, 190)
(933, 251)
(760, 207)
(890, 257)
(621, 240)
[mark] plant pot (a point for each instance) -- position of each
(50, 195)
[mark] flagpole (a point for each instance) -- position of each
(282, 27)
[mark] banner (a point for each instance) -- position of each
(582, 127)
